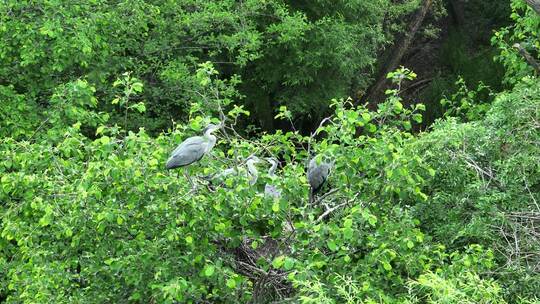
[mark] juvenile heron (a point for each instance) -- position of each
(253, 174)
(271, 190)
(317, 174)
(193, 149)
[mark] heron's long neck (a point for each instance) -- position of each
(251, 168)
(272, 169)
(211, 140)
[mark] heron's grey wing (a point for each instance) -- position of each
(187, 142)
(312, 164)
(318, 175)
(189, 151)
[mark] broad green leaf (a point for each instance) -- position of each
(209, 270)
(278, 262)
(288, 264)
(331, 245)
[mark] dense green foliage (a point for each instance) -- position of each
(89, 214)
(294, 53)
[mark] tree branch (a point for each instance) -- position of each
(528, 57)
(399, 50)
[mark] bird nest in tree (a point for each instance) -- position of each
(521, 231)
(268, 282)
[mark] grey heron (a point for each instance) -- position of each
(270, 190)
(193, 149)
(317, 174)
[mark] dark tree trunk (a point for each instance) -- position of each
(535, 4)
(399, 50)
(265, 113)
(458, 12)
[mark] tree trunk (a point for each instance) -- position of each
(535, 4)
(399, 50)
(265, 113)
(458, 12)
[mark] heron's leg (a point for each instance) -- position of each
(188, 178)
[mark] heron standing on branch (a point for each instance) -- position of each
(193, 149)
(317, 174)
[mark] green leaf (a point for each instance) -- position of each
(137, 86)
(407, 125)
(288, 264)
(119, 220)
(153, 162)
(386, 266)
(45, 220)
(209, 270)
(275, 207)
(231, 283)
(410, 244)
(371, 127)
(105, 140)
(278, 262)
(189, 239)
(398, 107)
(135, 296)
(140, 107)
(69, 232)
(348, 233)
(366, 117)
(100, 129)
(331, 245)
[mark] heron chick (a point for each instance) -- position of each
(253, 174)
(270, 190)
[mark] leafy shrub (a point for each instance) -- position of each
(95, 218)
